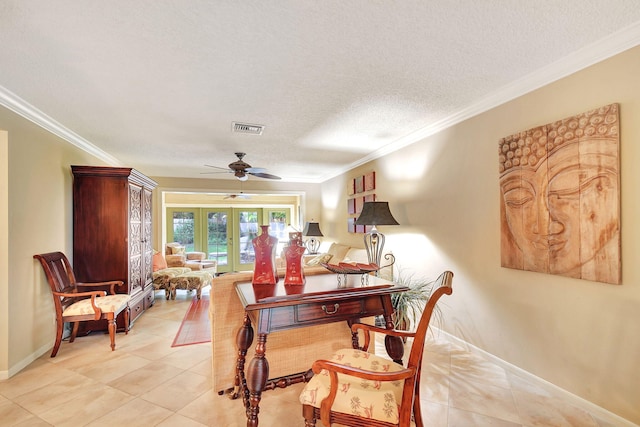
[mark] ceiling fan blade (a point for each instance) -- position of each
(218, 167)
(264, 175)
(210, 173)
(255, 170)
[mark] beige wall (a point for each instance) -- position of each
(582, 336)
(4, 252)
(39, 220)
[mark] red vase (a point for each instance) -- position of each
(293, 255)
(264, 271)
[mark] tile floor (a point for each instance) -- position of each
(146, 382)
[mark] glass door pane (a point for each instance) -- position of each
(218, 237)
(279, 221)
(181, 227)
(245, 230)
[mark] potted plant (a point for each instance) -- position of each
(408, 305)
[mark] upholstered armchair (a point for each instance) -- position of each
(176, 256)
(358, 388)
(77, 302)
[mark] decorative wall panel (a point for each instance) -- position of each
(560, 197)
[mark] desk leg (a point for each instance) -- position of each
(244, 339)
(257, 374)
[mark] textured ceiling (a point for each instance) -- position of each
(156, 84)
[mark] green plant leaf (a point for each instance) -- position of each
(408, 305)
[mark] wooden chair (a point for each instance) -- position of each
(357, 388)
(73, 304)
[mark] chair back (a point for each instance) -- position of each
(441, 286)
(60, 276)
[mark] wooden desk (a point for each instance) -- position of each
(280, 307)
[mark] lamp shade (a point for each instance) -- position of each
(312, 229)
(376, 213)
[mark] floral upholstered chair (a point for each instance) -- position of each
(77, 302)
(177, 256)
(357, 388)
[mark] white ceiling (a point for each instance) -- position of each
(156, 84)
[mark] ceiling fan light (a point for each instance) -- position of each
(242, 177)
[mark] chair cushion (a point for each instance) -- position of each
(108, 304)
(176, 260)
(196, 256)
(364, 398)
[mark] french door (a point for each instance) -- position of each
(217, 233)
(181, 227)
(226, 234)
(247, 228)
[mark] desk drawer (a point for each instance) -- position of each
(339, 309)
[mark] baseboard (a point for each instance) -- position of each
(599, 411)
(4, 375)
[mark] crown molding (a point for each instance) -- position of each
(21, 107)
(618, 42)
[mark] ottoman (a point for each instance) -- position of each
(194, 280)
(161, 277)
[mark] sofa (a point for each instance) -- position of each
(308, 344)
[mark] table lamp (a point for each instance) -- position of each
(312, 230)
(375, 213)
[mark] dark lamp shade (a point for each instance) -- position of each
(312, 229)
(376, 213)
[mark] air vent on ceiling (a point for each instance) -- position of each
(247, 128)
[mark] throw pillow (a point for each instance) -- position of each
(177, 250)
(319, 259)
(159, 262)
(338, 251)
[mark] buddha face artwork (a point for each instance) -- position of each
(560, 200)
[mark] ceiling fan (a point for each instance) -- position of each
(235, 196)
(240, 169)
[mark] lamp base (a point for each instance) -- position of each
(312, 245)
(374, 244)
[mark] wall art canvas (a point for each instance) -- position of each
(359, 184)
(370, 181)
(351, 206)
(359, 203)
(560, 197)
(351, 187)
(362, 187)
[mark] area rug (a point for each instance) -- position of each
(195, 327)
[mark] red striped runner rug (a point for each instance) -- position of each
(195, 327)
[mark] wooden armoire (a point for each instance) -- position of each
(112, 233)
